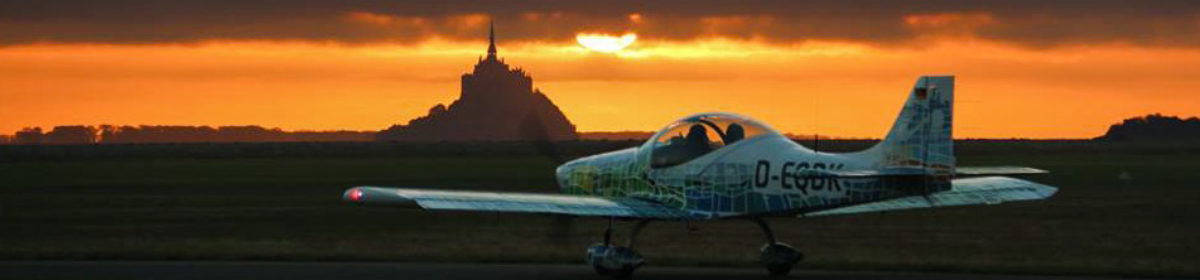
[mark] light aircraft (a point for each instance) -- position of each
(725, 166)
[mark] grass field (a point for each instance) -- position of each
(287, 208)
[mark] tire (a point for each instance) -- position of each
(601, 270)
(779, 269)
(625, 272)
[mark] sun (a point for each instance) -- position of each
(604, 42)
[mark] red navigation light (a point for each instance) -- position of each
(356, 194)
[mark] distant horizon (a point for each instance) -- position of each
(584, 135)
(599, 134)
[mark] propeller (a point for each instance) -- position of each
(533, 128)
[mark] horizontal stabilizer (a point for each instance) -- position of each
(513, 202)
(899, 171)
(996, 170)
(968, 191)
(903, 171)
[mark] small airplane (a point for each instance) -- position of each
(726, 166)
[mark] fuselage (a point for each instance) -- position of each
(765, 174)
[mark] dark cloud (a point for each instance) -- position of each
(1024, 22)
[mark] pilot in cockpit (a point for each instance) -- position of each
(704, 134)
(734, 133)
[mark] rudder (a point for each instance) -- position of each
(921, 136)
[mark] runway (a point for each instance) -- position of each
(419, 271)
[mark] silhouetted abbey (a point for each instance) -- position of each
(496, 103)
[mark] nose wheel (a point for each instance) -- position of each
(619, 262)
(615, 261)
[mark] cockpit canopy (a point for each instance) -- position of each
(697, 135)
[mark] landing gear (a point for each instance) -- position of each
(777, 257)
(616, 261)
(620, 261)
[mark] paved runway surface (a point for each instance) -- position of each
(416, 271)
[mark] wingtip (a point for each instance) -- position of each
(376, 195)
(362, 194)
(354, 194)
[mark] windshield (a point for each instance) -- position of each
(695, 136)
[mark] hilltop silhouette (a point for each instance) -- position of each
(1155, 127)
(497, 103)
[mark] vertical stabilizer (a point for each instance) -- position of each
(921, 136)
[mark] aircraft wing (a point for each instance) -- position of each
(864, 173)
(967, 191)
(576, 205)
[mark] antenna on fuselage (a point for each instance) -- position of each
(816, 122)
(817, 142)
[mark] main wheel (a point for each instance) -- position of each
(625, 272)
(779, 269)
(601, 270)
(779, 258)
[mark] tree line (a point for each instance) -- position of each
(1154, 127)
(111, 134)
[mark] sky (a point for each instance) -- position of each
(1025, 69)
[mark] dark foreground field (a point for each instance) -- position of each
(284, 206)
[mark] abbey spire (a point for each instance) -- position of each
(491, 41)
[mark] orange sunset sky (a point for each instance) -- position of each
(1029, 69)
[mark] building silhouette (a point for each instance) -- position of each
(497, 103)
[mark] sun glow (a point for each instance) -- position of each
(605, 43)
(842, 89)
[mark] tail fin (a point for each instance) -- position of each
(921, 136)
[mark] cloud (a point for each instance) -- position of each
(1029, 23)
